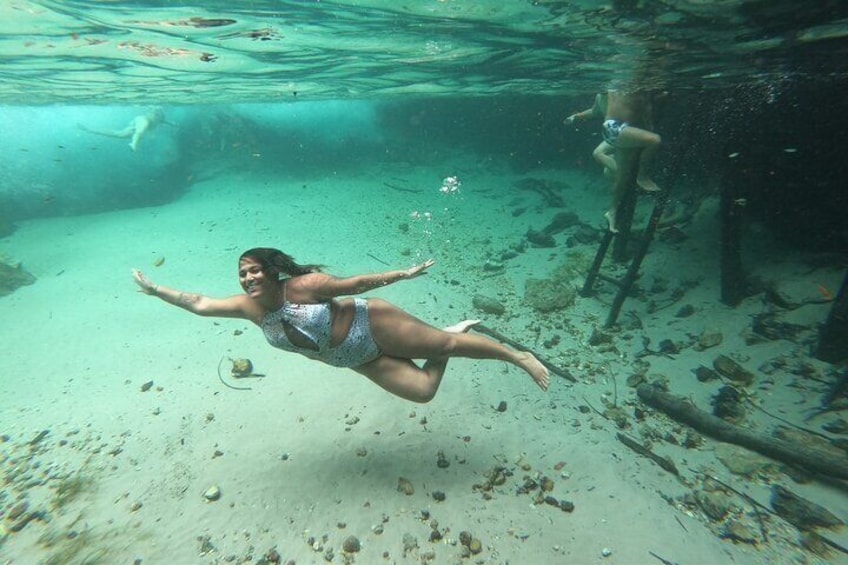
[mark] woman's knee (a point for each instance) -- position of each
(424, 395)
(417, 389)
(654, 139)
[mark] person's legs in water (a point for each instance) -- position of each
(630, 137)
(402, 337)
(626, 159)
(604, 155)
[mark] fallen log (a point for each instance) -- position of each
(806, 456)
(515, 345)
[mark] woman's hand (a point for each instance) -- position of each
(417, 270)
(146, 286)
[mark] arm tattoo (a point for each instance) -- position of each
(186, 299)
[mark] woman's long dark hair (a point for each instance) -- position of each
(275, 262)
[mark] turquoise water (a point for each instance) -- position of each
(214, 52)
(368, 136)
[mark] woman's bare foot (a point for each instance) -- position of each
(647, 184)
(610, 216)
(462, 327)
(535, 369)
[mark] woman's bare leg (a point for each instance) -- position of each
(627, 159)
(604, 155)
(404, 336)
(407, 380)
(126, 132)
(649, 142)
(404, 378)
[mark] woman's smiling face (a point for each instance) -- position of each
(252, 277)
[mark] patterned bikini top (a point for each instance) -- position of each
(312, 321)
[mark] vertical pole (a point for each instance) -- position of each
(589, 286)
(733, 278)
(642, 250)
(628, 169)
(833, 337)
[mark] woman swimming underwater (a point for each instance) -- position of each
(304, 310)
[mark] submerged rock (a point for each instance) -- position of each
(710, 337)
(549, 295)
(739, 532)
(241, 368)
(733, 370)
(212, 494)
(351, 545)
(405, 486)
(727, 404)
(488, 305)
(540, 238)
(13, 277)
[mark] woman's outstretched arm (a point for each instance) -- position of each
(232, 307)
(327, 286)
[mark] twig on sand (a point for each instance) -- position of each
(401, 188)
(664, 561)
(376, 258)
(664, 462)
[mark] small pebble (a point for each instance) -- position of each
(606, 552)
(351, 545)
(212, 494)
(405, 486)
(465, 538)
(685, 311)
